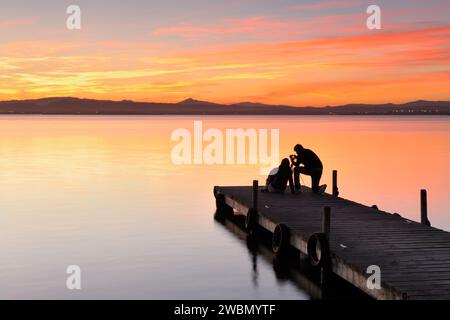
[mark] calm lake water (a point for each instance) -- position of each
(103, 193)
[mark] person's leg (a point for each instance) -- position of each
(315, 180)
(297, 178)
(315, 175)
(271, 189)
(269, 180)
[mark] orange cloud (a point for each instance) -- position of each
(370, 67)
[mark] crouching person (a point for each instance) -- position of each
(279, 178)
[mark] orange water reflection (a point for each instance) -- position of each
(101, 188)
(380, 160)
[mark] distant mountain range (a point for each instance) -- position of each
(196, 107)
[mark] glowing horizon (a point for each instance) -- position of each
(280, 52)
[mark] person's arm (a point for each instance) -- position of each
(294, 161)
(299, 160)
(269, 180)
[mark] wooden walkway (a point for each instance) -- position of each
(414, 258)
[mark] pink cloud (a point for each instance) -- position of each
(258, 22)
(328, 5)
(16, 23)
(231, 26)
(260, 27)
(191, 30)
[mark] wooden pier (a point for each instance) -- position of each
(348, 239)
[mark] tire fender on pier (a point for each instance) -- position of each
(319, 250)
(251, 220)
(280, 239)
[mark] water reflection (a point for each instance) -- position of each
(103, 193)
(292, 268)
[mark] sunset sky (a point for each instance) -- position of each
(272, 51)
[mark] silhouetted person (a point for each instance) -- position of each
(279, 177)
(312, 166)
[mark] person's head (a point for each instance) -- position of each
(285, 166)
(285, 163)
(298, 148)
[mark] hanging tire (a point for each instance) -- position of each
(319, 250)
(251, 220)
(280, 239)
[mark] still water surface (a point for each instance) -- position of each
(103, 193)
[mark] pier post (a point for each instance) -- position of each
(424, 208)
(335, 186)
(326, 270)
(326, 223)
(255, 195)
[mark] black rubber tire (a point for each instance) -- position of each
(280, 239)
(319, 241)
(251, 220)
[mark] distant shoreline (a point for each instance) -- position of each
(228, 114)
(76, 106)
